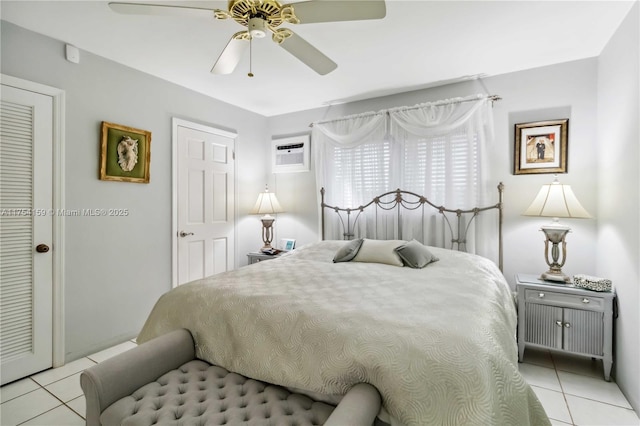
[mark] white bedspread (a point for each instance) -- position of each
(438, 343)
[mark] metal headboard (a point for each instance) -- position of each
(458, 221)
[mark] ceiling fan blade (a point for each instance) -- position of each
(231, 55)
(310, 12)
(159, 9)
(312, 57)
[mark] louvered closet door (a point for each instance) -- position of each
(26, 132)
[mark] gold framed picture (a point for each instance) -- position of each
(541, 147)
(125, 153)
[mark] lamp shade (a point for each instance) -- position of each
(267, 203)
(556, 200)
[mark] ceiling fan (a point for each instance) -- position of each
(262, 16)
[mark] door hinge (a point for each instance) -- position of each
(233, 154)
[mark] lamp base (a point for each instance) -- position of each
(555, 276)
(555, 234)
(267, 232)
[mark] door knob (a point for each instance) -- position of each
(185, 234)
(42, 248)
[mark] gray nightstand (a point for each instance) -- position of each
(565, 318)
(259, 257)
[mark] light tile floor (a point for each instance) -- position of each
(52, 397)
(571, 389)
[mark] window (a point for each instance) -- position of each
(431, 149)
(362, 170)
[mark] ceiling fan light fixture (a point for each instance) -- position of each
(262, 16)
(257, 27)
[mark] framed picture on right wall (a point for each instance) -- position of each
(541, 147)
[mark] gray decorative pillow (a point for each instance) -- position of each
(347, 252)
(415, 255)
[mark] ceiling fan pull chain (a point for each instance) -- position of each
(250, 56)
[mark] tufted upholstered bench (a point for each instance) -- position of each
(162, 383)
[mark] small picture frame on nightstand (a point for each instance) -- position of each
(287, 244)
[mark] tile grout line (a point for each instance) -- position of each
(564, 395)
(43, 387)
(18, 396)
(600, 402)
(71, 408)
(44, 412)
(584, 397)
(63, 403)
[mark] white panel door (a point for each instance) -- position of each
(205, 201)
(26, 232)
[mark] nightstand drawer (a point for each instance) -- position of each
(571, 300)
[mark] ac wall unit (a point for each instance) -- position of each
(290, 154)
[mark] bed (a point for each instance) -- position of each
(438, 342)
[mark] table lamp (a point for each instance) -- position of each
(556, 200)
(266, 205)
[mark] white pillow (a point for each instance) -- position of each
(380, 251)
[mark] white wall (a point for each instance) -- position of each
(619, 193)
(560, 91)
(116, 268)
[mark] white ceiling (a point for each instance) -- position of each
(417, 45)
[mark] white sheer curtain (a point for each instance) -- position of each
(444, 145)
(352, 157)
(434, 149)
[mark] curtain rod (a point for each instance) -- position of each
(492, 98)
